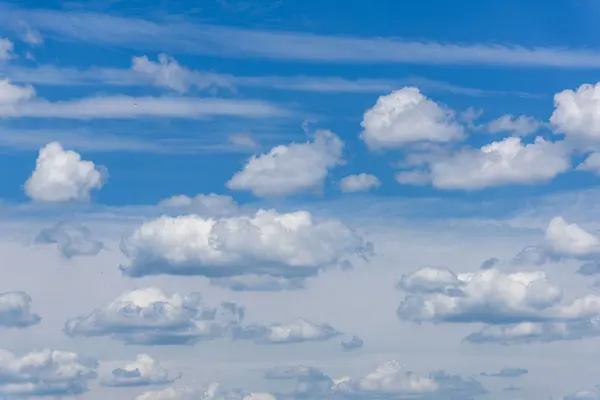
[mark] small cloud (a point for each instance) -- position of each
(244, 140)
(71, 239)
(15, 311)
(352, 344)
(359, 183)
(6, 52)
(144, 371)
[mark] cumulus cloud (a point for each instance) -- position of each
(577, 113)
(508, 161)
(488, 296)
(71, 239)
(168, 73)
(147, 316)
(352, 344)
(144, 371)
(507, 372)
(6, 49)
(259, 283)
(61, 175)
(15, 310)
(562, 240)
(300, 330)
(406, 116)
(289, 245)
(11, 95)
(359, 183)
(203, 204)
(519, 126)
(45, 373)
(291, 169)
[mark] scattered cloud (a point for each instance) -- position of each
(45, 373)
(359, 183)
(576, 113)
(244, 140)
(61, 175)
(6, 49)
(291, 169)
(300, 330)
(71, 239)
(144, 371)
(406, 116)
(507, 372)
(519, 126)
(352, 344)
(292, 245)
(15, 311)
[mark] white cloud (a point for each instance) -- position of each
(168, 73)
(147, 316)
(577, 113)
(6, 50)
(144, 371)
(11, 95)
(244, 140)
(508, 161)
(359, 183)
(292, 245)
(44, 373)
(15, 310)
(591, 163)
(61, 175)
(291, 169)
(300, 330)
(406, 116)
(489, 296)
(520, 126)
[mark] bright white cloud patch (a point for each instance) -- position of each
(520, 126)
(508, 161)
(489, 296)
(11, 95)
(577, 113)
(290, 245)
(359, 183)
(407, 116)
(44, 373)
(144, 371)
(6, 49)
(291, 169)
(61, 175)
(300, 330)
(15, 311)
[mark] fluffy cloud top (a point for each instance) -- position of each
(44, 373)
(407, 116)
(15, 310)
(292, 245)
(359, 183)
(577, 113)
(149, 317)
(144, 371)
(300, 330)
(71, 239)
(508, 161)
(61, 175)
(291, 169)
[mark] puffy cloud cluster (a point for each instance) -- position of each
(577, 113)
(149, 317)
(144, 371)
(44, 373)
(508, 161)
(517, 307)
(359, 183)
(388, 380)
(406, 116)
(71, 239)
(291, 169)
(61, 175)
(15, 310)
(563, 240)
(286, 245)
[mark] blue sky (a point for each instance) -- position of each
(202, 201)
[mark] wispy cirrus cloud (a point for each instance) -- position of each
(184, 35)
